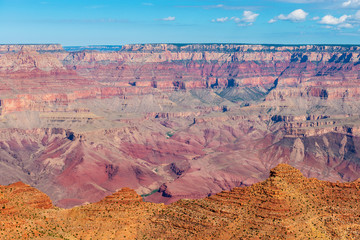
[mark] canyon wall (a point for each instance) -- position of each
(175, 121)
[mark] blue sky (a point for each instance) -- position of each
(118, 22)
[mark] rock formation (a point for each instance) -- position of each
(285, 206)
(175, 121)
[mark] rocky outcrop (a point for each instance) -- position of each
(123, 196)
(18, 195)
(285, 206)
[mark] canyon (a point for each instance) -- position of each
(286, 205)
(175, 121)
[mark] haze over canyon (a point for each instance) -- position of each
(175, 121)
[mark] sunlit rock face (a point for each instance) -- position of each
(286, 205)
(175, 121)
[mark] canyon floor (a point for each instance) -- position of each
(175, 121)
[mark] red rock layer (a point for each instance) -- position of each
(261, 105)
(297, 71)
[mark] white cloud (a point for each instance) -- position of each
(345, 21)
(169, 19)
(331, 20)
(248, 19)
(271, 21)
(221, 20)
(351, 3)
(295, 16)
(298, 15)
(316, 18)
(249, 16)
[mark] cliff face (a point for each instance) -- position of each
(297, 71)
(238, 48)
(175, 121)
(27, 60)
(215, 65)
(287, 205)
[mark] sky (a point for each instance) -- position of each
(119, 22)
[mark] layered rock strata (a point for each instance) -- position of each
(175, 121)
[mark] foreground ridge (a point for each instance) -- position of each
(285, 206)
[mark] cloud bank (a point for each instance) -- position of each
(298, 15)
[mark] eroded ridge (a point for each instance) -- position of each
(285, 206)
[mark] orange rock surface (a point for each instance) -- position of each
(285, 206)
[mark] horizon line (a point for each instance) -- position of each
(194, 43)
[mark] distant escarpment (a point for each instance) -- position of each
(319, 71)
(239, 47)
(36, 47)
(278, 72)
(285, 206)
